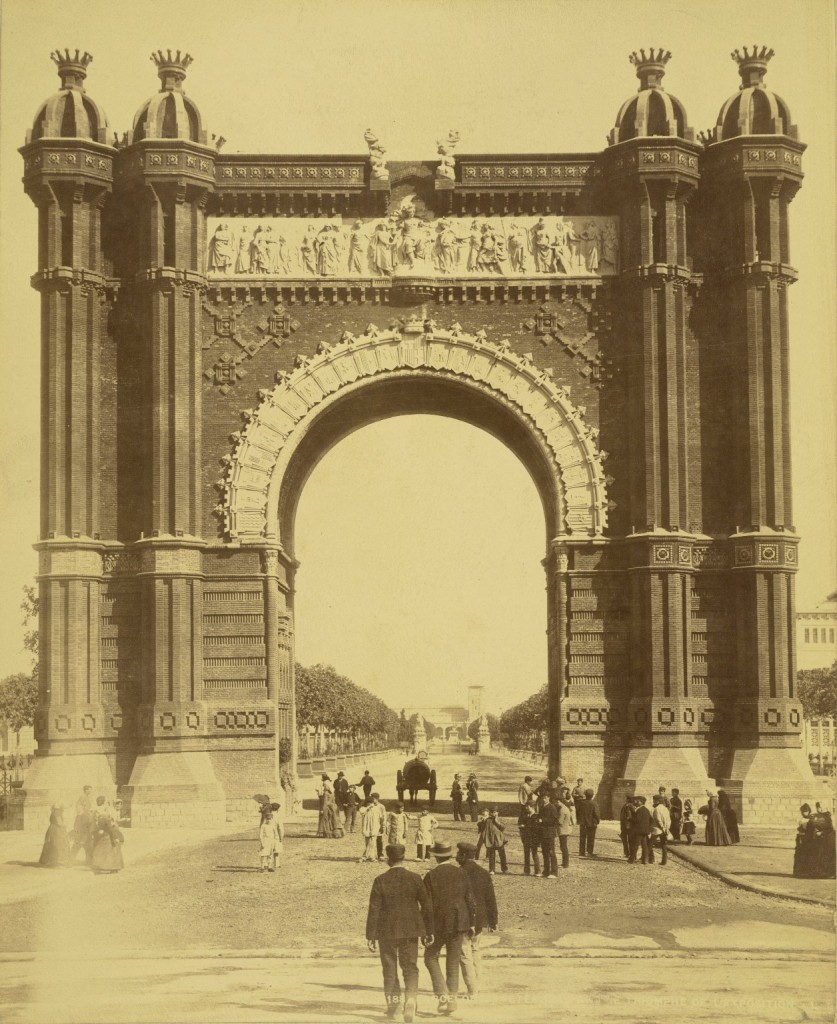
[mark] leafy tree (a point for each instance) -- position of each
(524, 724)
(18, 701)
(325, 699)
(817, 689)
(29, 606)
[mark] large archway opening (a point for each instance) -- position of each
(419, 539)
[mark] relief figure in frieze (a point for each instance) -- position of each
(327, 251)
(517, 248)
(221, 255)
(306, 252)
(358, 243)
(381, 250)
(242, 259)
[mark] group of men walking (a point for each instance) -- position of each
(449, 909)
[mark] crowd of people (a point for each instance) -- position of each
(95, 830)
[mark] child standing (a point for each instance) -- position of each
(426, 825)
(269, 838)
(689, 827)
(396, 826)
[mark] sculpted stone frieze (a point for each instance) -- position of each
(404, 245)
(250, 485)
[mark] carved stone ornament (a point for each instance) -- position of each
(252, 479)
(403, 244)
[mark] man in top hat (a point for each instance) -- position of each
(400, 912)
(482, 889)
(454, 917)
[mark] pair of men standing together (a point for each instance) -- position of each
(449, 909)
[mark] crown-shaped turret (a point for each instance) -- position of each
(752, 64)
(169, 114)
(650, 69)
(72, 68)
(70, 113)
(754, 109)
(171, 68)
(652, 111)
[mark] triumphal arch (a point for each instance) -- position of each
(213, 324)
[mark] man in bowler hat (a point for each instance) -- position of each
(400, 913)
(454, 921)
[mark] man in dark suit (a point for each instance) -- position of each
(400, 912)
(366, 783)
(641, 826)
(588, 821)
(549, 819)
(341, 791)
(456, 796)
(454, 917)
(626, 816)
(482, 889)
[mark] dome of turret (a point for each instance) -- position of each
(169, 114)
(754, 109)
(70, 113)
(652, 111)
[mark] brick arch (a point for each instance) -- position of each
(569, 474)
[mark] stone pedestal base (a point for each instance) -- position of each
(648, 768)
(767, 785)
(58, 779)
(174, 788)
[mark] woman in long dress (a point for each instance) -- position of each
(330, 825)
(716, 830)
(729, 815)
(107, 846)
(56, 850)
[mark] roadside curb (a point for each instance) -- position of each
(736, 883)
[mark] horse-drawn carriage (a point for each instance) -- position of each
(414, 776)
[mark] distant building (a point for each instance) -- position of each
(816, 635)
(816, 645)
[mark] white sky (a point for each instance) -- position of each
(428, 567)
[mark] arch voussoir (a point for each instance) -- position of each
(254, 465)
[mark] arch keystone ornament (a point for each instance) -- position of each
(263, 448)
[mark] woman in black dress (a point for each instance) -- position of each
(730, 817)
(56, 851)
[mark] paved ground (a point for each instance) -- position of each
(194, 932)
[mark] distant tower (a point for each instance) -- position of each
(474, 702)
